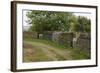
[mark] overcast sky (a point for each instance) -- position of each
(88, 15)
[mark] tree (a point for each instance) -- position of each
(57, 21)
(82, 25)
(49, 21)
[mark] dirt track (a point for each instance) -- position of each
(51, 52)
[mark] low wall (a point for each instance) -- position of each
(83, 42)
(47, 35)
(30, 34)
(64, 38)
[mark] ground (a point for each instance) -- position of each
(45, 50)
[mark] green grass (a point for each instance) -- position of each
(52, 43)
(79, 55)
(75, 53)
(38, 55)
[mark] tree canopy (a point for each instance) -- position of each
(57, 21)
(81, 24)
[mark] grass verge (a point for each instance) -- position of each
(75, 53)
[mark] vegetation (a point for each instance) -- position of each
(52, 43)
(57, 21)
(40, 55)
(82, 24)
(42, 49)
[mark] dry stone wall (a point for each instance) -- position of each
(81, 41)
(30, 34)
(63, 38)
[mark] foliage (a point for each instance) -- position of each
(57, 21)
(82, 25)
(49, 21)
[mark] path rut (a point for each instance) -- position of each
(52, 52)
